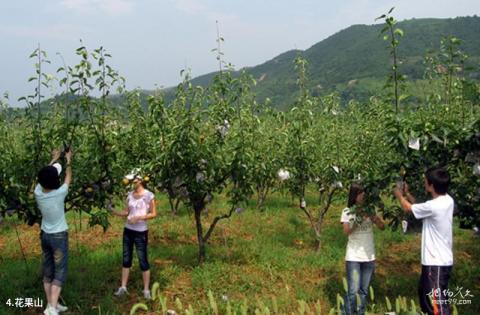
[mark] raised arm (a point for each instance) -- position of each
(405, 204)
(408, 195)
(55, 156)
(68, 172)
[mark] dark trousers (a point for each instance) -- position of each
(432, 288)
(140, 240)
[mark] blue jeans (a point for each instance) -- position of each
(140, 240)
(54, 257)
(359, 275)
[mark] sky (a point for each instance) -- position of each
(151, 41)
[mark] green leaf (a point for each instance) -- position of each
(138, 306)
(436, 139)
(398, 32)
(389, 304)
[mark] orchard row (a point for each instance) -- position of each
(221, 139)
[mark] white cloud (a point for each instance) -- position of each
(61, 32)
(110, 7)
(192, 7)
(197, 8)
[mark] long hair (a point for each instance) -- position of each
(355, 190)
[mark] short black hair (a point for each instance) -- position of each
(48, 177)
(355, 190)
(439, 178)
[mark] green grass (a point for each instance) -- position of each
(256, 255)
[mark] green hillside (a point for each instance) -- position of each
(355, 61)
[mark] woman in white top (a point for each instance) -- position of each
(360, 256)
(140, 207)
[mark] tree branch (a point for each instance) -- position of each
(310, 217)
(327, 206)
(215, 221)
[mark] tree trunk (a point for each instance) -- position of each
(198, 207)
(262, 195)
(318, 246)
(172, 206)
(202, 252)
(174, 200)
(177, 203)
(319, 241)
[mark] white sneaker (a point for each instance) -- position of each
(61, 308)
(404, 226)
(121, 291)
(50, 311)
(147, 295)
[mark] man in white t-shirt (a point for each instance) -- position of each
(437, 239)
